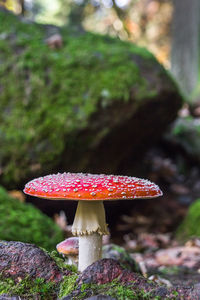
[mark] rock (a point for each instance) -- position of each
(24, 222)
(101, 272)
(185, 256)
(7, 297)
(91, 99)
(101, 297)
(107, 270)
(185, 134)
(108, 277)
(195, 294)
(104, 279)
(19, 260)
(119, 253)
(98, 297)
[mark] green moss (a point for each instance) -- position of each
(42, 290)
(176, 294)
(114, 289)
(38, 288)
(28, 288)
(124, 293)
(47, 95)
(68, 285)
(25, 223)
(170, 270)
(61, 262)
(190, 225)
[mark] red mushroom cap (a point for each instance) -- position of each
(79, 186)
(69, 246)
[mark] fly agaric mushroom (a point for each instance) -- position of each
(90, 191)
(69, 248)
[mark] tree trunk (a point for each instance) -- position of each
(185, 43)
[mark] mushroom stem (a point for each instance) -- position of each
(90, 250)
(72, 260)
(89, 224)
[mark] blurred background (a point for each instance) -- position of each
(148, 23)
(160, 25)
(107, 86)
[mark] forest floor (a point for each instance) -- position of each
(148, 233)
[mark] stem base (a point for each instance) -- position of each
(90, 250)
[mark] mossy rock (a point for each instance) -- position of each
(85, 106)
(119, 253)
(27, 289)
(25, 223)
(185, 133)
(120, 284)
(190, 225)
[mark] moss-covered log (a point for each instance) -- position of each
(92, 104)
